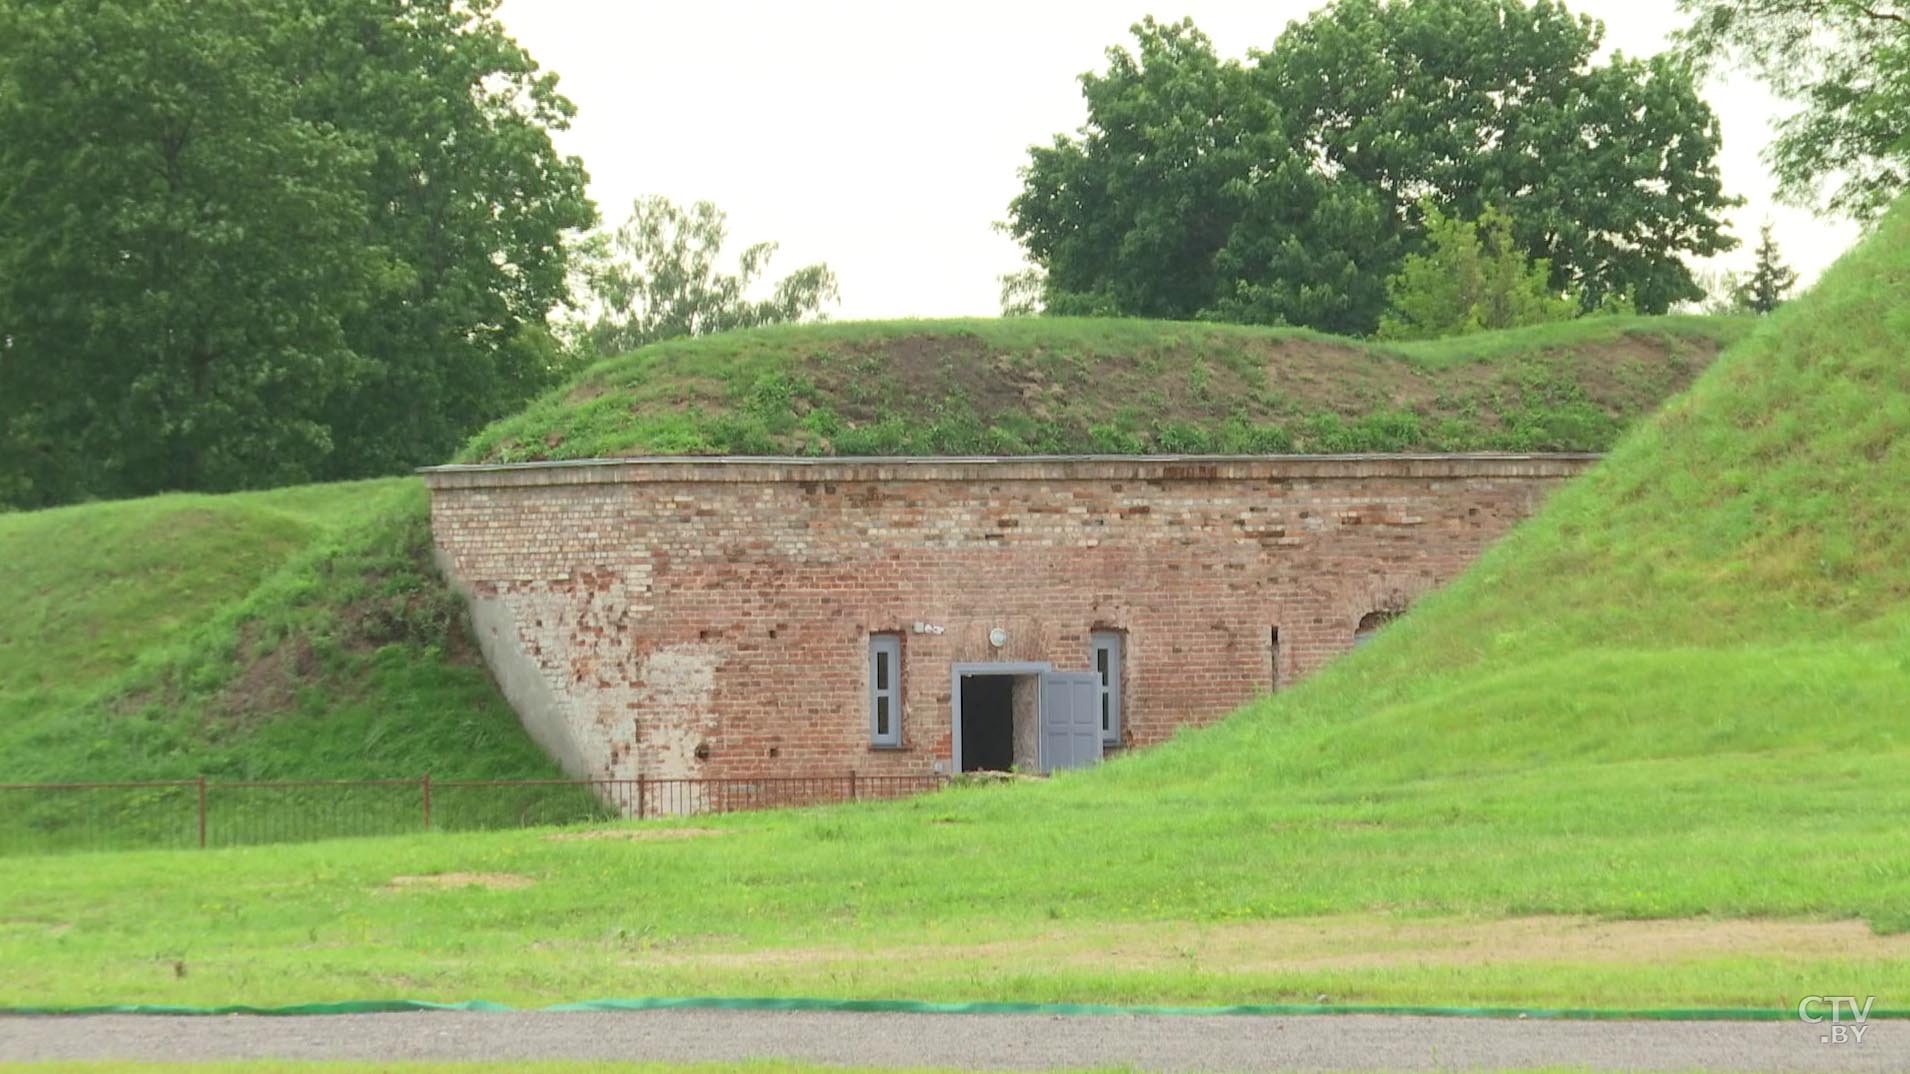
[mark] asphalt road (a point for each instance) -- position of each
(1239, 1044)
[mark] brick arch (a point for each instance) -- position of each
(1391, 594)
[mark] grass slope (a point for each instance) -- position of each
(1068, 385)
(295, 633)
(1651, 752)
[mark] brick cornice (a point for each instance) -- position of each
(774, 469)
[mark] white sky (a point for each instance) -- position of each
(884, 137)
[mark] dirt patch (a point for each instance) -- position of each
(922, 370)
(1376, 943)
(28, 924)
(1637, 370)
(632, 835)
(1202, 381)
(267, 682)
(586, 391)
(440, 881)
(1314, 375)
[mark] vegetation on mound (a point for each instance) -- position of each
(301, 633)
(1674, 694)
(1071, 385)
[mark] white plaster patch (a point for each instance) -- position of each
(675, 685)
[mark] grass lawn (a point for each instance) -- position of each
(1562, 885)
(1058, 385)
(1651, 752)
(299, 633)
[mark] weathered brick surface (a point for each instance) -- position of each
(710, 617)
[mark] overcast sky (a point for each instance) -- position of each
(884, 137)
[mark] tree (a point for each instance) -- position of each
(1843, 61)
(1608, 171)
(1021, 293)
(1182, 197)
(1723, 293)
(1286, 188)
(655, 277)
(1472, 277)
(250, 243)
(1763, 291)
(472, 211)
(179, 253)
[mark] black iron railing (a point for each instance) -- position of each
(55, 817)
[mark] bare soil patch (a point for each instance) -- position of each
(630, 835)
(1374, 943)
(439, 881)
(923, 369)
(268, 682)
(1267, 379)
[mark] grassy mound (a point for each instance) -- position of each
(1650, 752)
(300, 633)
(1063, 385)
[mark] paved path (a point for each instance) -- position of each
(1239, 1044)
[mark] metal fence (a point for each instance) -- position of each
(39, 818)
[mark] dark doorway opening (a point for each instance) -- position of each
(988, 723)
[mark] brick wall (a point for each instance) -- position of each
(674, 618)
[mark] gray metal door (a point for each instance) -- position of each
(1070, 719)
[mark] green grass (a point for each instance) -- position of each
(89, 588)
(1073, 385)
(292, 634)
(1650, 752)
(1675, 696)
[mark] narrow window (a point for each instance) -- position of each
(885, 689)
(1274, 679)
(1107, 662)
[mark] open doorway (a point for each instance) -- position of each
(988, 723)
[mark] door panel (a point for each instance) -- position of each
(1070, 719)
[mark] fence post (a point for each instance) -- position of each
(425, 783)
(643, 789)
(852, 784)
(202, 812)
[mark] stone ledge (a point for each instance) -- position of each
(781, 469)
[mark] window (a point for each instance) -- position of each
(885, 689)
(1107, 662)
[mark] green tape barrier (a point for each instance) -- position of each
(909, 1006)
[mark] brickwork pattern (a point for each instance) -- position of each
(699, 618)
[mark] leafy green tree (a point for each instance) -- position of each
(1182, 197)
(1285, 188)
(1608, 170)
(656, 277)
(1842, 61)
(1764, 289)
(245, 243)
(472, 211)
(179, 253)
(1021, 293)
(1472, 276)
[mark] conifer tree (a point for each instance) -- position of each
(1769, 280)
